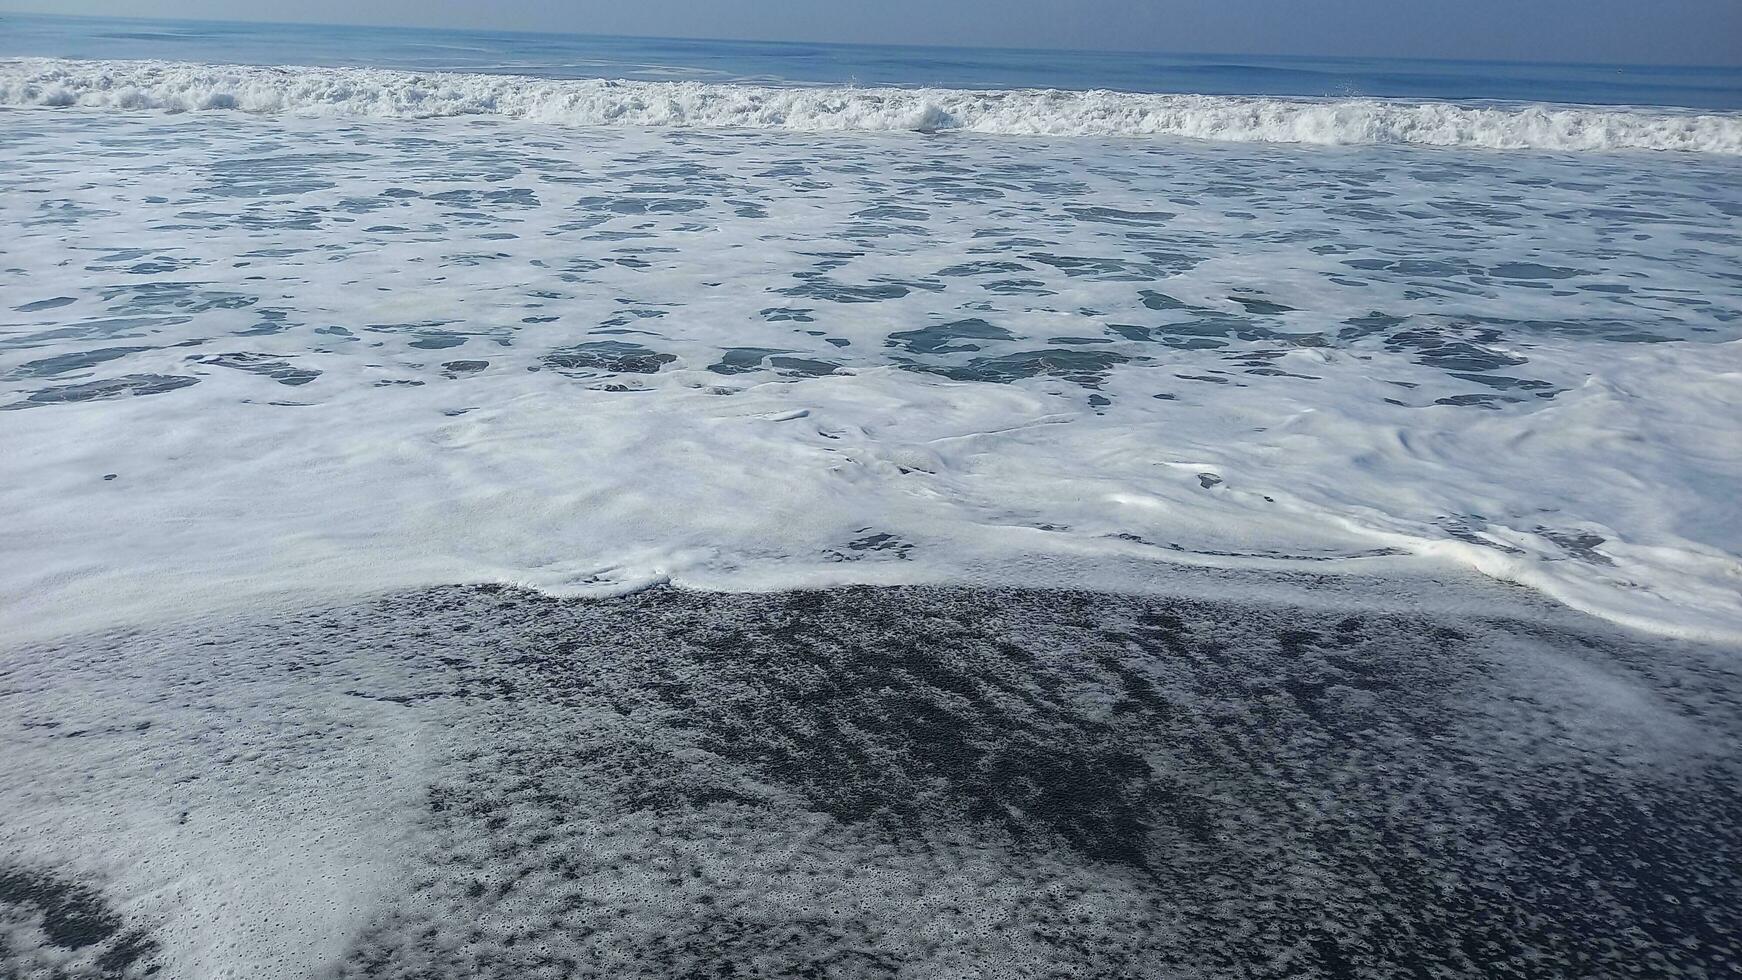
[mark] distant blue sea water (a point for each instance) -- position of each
(583, 56)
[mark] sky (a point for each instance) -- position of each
(1628, 31)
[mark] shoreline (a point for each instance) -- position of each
(1045, 782)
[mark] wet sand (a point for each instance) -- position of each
(876, 782)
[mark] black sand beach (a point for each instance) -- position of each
(950, 782)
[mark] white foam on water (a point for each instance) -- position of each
(388, 94)
(317, 356)
(225, 501)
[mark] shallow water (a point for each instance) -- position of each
(269, 353)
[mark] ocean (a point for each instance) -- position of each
(1255, 516)
(568, 56)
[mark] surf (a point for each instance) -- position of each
(177, 87)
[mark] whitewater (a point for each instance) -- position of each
(271, 355)
(389, 94)
(508, 506)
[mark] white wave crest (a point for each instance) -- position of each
(176, 87)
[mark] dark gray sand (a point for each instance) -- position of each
(930, 782)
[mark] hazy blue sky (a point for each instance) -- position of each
(1658, 31)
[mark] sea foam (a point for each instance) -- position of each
(242, 361)
(372, 92)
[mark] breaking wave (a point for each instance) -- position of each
(380, 93)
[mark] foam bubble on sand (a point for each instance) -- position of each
(383, 93)
(241, 820)
(493, 783)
